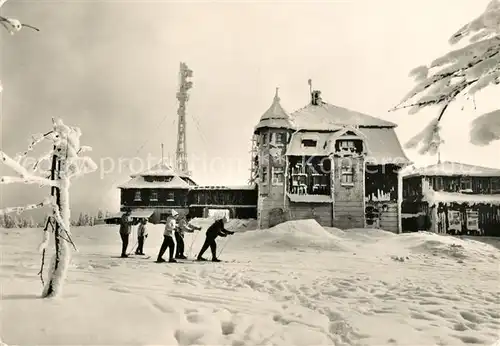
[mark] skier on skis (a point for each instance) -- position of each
(168, 241)
(142, 234)
(183, 226)
(215, 230)
(125, 225)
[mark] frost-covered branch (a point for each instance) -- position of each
(26, 177)
(464, 71)
(32, 180)
(46, 235)
(45, 157)
(19, 210)
(13, 25)
(35, 139)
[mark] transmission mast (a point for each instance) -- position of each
(183, 97)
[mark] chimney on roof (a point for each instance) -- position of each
(316, 98)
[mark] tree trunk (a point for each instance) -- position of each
(50, 289)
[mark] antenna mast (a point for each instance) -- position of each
(183, 97)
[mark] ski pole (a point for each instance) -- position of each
(136, 243)
(192, 243)
(222, 248)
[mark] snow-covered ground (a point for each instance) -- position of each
(296, 284)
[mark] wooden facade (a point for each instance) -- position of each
(381, 197)
(152, 198)
(241, 202)
(467, 203)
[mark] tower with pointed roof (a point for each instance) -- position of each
(271, 136)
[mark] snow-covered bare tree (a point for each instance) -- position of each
(463, 71)
(66, 164)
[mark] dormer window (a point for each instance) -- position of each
(349, 146)
(309, 143)
(137, 196)
(158, 178)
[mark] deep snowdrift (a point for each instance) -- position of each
(267, 294)
(293, 236)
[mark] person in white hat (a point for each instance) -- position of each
(168, 241)
(183, 225)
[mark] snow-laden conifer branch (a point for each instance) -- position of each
(485, 128)
(464, 71)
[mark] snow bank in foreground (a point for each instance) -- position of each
(296, 235)
(432, 244)
(269, 295)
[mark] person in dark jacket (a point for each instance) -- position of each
(215, 230)
(125, 226)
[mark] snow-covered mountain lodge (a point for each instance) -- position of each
(328, 163)
(452, 197)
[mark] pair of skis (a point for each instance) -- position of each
(181, 261)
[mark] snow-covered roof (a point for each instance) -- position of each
(275, 116)
(309, 198)
(448, 168)
(382, 144)
(218, 187)
(434, 197)
(327, 117)
(139, 182)
(295, 147)
(162, 169)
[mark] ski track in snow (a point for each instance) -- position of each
(364, 296)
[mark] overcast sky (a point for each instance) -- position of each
(110, 67)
